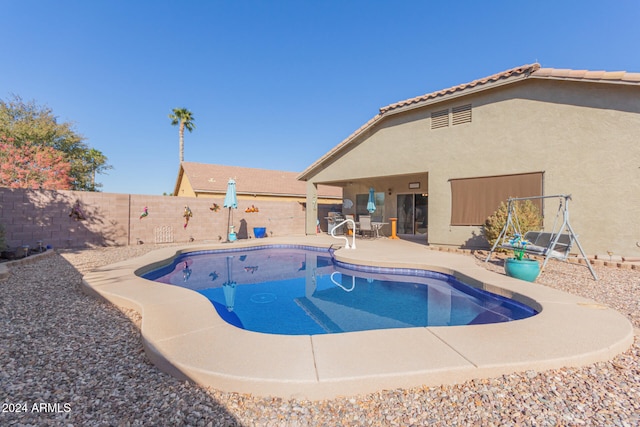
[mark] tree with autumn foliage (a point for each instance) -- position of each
(30, 166)
(32, 129)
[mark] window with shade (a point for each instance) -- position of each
(475, 199)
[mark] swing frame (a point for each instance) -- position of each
(554, 237)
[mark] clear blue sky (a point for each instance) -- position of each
(275, 84)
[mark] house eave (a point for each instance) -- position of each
(455, 95)
(583, 80)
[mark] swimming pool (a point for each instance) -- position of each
(299, 290)
(184, 336)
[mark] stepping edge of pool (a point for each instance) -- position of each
(185, 337)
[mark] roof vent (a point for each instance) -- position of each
(440, 119)
(461, 114)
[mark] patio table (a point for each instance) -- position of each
(377, 226)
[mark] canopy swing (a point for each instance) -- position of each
(556, 244)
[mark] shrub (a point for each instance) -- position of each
(527, 218)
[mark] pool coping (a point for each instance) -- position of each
(184, 336)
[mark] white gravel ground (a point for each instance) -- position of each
(69, 359)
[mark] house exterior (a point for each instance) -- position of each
(207, 180)
(442, 162)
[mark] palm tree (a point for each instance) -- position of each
(183, 118)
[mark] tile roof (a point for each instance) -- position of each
(214, 178)
(604, 76)
(531, 70)
(524, 70)
(508, 76)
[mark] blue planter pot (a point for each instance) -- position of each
(524, 269)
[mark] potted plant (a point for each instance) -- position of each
(518, 266)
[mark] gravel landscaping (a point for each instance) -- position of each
(70, 359)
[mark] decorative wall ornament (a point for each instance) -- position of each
(76, 212)
(187, 215)
(145, 212)
(215, 207)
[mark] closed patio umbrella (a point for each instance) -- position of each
(371, 205)
(229, 287)
(230, 201)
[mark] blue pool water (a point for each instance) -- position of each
(294, 290)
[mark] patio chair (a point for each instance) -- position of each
(365, 225)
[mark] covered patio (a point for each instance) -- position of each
(403, 197)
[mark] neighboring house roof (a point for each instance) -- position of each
(208, 178)
(504, 77)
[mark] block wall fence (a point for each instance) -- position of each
(111, 219)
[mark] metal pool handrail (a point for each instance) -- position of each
(346, 240)
(353, 282)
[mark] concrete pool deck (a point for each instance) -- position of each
(184, 336)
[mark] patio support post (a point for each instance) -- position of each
(394, 228)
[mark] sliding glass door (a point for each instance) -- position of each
(412, 213)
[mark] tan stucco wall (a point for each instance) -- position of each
(185, 189)
(583, 136)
